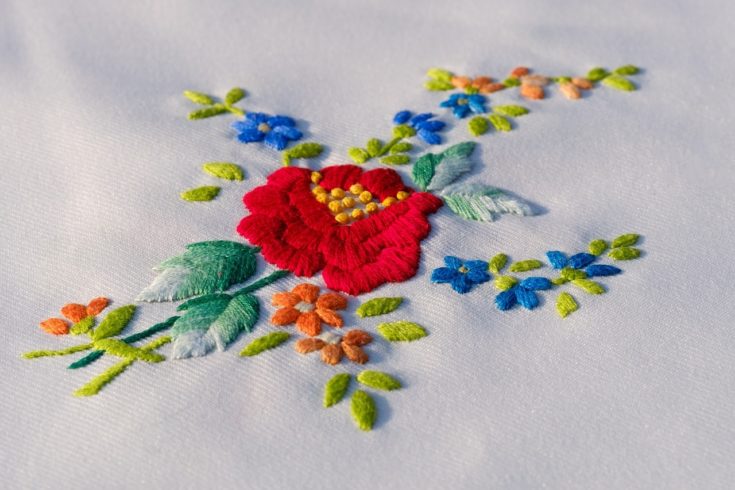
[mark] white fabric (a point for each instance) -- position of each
(635, 390)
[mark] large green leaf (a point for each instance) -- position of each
(205, 267)
(435, 171)
(479, 202)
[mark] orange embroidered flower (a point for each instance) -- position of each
(75, 313)
(333, 347)
(305, 307)
(482, 84)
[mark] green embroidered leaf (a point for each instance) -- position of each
(403, 131)
(205, 267)
(561, 80)
(305, 150)
(588, 285)
(463, 149)
(440, 74)
(363, 410)
(335, 389)
(624, 253)
(214, 110)
(198, 97)
(627, 240)
(204, 193)
(619, 83)
(565, 304)
(497, 263)
(114, 322)
(378, 306)
(401, 147)
(559, 281)
(213, 321)
(569, 274)
(510, 110)
(223, 170)
(264, 343)
(526, 265)
(504, 283)
(402, 331)
(511, 82)
(597, 74)
(234, 95)
(478, 125)
(479, 202)
(358, 155)
(597, 247)
(118, 348)
(82, 326)
(423, 170)
(379, 380)
(395, 159)
(500, 123)
(373, 147)
(626, 70)
(54, 353)
(438, 85)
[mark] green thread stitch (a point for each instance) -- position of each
(213, 107)
(480, 202)
(82, 326)
(401, 331)
(624, 253)
(201, 194)
(526, 265)
(425, 169)
(114, 323)
(565, 304)
(54, 353)
(378, 306)
(264, 343)
(118, 348)
(500, 123)
(335, 389)
(378, 380)
(618, 82)
(589, 286)
(223, 170)
(364, 411)
(598, 247)
(504, 283)
(510, 110)
(627, 240)
(497, 263)
(305, 150)
(478, 125)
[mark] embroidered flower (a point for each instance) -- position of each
(274, 131)
(425, 127)
(462, 275)
(464, 104)
(75, 313)
(362, 229)
(482, 84)
(519, 292)
(305, 307)
(333, 346)
(579, 266)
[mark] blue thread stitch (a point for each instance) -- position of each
(462, 275)
(523, 294)
(426, 127)
(274, 131)
(464, 104)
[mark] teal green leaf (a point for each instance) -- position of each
(335, 389)
(395, 159)
(402, 331)
(204, 268)
(626, 70)
(211, 111)
(500, 123)
(526, 265)
(198, 97)
(597, 74)
(363, 409)
(234, 95)
(589, 286)
(478, 125)
(204, 193)
(82, 326)
(566, 305)
(373, 147)
(624, 253)
(497, 263)
(224, 170)
(627, 240)
(358, 155)
(378, 380)
(114, 322)
(510, 110)
(423, 170)
(264, 343)
(463, 149)
(379, 306)
(619, 83)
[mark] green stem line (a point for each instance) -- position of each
(53, 353)
(388, 146)
(261, 283)
(235, 110)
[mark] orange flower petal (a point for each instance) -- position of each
(481, 81)
(309, 323)
(331, 301)
(355, 353)
(332, 354)
(357, 337)
(307, 292)
(285, 299)
(285, 316)
(74, 312)
(55, 326)
(330, 317)
(97, 305)
(305, 346)
(460, 82)
(491, 87)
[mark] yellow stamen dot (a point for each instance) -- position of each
(356, 189)
(357, 213)
(403, 195)
(389, 200)
(318, 190)
(338, 193)
(335, 206)
(371, 207)
(342, 218)
(366, 197)
(322, 198)
(316, 177)
(348, 202)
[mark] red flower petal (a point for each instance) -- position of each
(382, 182)
(342, 176)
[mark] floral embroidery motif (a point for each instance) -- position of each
(333, 346)
(462, 275)
(425, 125)
(463, 105)
(274, 131)
(305, 307)
(81, 317)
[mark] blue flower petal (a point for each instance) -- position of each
(444, 274)
(478, 276)
(477, 105)
(420, 118)
(250, 136)
(462, 284)
(289, 133)
(277, 121)
(505, 300)
(476, 265)
(244, 125)
(528, 299)
(602, 270)
(429, 138)
(557, 259)
(276, 140)
(447, 103)
(257, 117)
(401, 117)
(536, 283)
(580, 260)
(453, 262)
(461, 111)
(431, 125)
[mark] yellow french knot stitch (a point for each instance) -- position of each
(358, 205)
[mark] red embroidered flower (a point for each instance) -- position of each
(362, 229)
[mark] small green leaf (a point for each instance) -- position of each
(363, 410)
(223, 170)
(511, 82)
(335, 389)
(403, 131)
(198, 97)
(402, 331)
(264, 343)
(424, 169)
(565, 304)
(627, 240)
(378, 380)
(440, 74)
(82, 326)
(510, 110)
(234, 95)
(395, 159)
(478, 125)
(597, 247)
(214, 110)
(562, 79)
(497, 263)
(597, 74)
(204, 193)
(526, 265)
(627, 70)
(500, 123)
(401, 147)
(373, 147)
(358, 155)
(114, 322)
(588, 285)
(379, 306)
(569, 274)
(438, 85)
(619, 83)
(624, 253)
(504, 283)
(305, 150)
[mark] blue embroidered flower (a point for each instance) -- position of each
(462, 275)
(425, 127)
(522, 293)
(274, 131)
(464, 104)
(582, 260)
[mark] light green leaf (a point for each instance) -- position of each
(438, 85)
(358, 155)
(510, 110)
(627, 70)
(588, 285)
(511, 82)
(440, 74)
(403, 131)
(597, 74)
(223, 170)
(205, 267)
(204, 193)
(373, 147)
(569, 274)
(402, 331)
(234, 95)
(363, 410)
(479, 202)
(463, 149)
(597, 247)
(478, 125)
(309, 149)
(395, 159)
(264, 343)
(526, 265)
(504, 283)
(619, 83)
(198, 97)
(500, 123)
(214, 110)
(379, 306)
(627, 240)
(114, 322)
(401, 147)
(118, 348)
(335, 389)
(82, 326)
(378, 380)
(497, 263)
(565, 304)
(624, 253)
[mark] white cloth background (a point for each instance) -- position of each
(635, 390)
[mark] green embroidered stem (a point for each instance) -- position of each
(388, 146)
(52, 353)
(261, 283)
